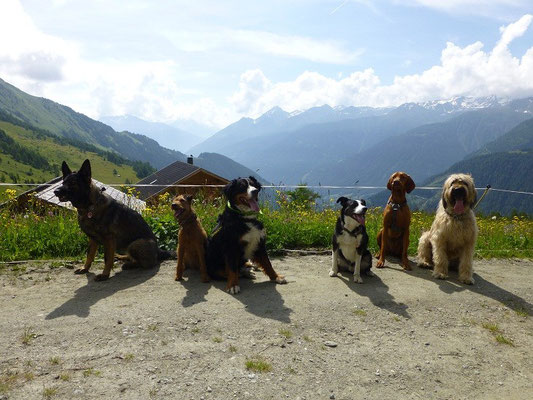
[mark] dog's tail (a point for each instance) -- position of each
(163, 255)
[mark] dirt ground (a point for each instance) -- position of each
(141, 335)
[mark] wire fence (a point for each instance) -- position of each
(134, 185)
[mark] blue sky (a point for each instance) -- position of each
(216, 61)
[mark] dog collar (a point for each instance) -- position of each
(396, 206)
(355, 232)
(245, 213)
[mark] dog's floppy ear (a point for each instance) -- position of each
(342, 200)
(65, 170)
(85, 171)
(410, 186)
(389, 183)
(444, 203)
(255, 182)
(228, 189)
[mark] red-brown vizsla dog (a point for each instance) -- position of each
(393, 238)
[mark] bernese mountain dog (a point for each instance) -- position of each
(239, 237)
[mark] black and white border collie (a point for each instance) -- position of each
(350, 240)
(239, 236)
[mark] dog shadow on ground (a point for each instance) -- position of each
(481, 286)
(196, 289)
(90, 294)
(377, 292)
(261, 299)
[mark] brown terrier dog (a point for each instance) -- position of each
(192, 239)
(393, 238)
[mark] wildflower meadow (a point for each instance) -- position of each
(42, 232)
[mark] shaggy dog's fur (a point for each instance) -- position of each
(393, 238)
(192, 239)
(453, 234)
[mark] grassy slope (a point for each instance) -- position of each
(55, 154)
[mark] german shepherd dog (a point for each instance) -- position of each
(192, 239)
(239, 236)
(109, 223)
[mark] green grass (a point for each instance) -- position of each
(47, 234)
(258, 365)
(50, 392)
(28, 335)
(521, 312)
(286, 333)
(55, 360)
(491, 327)
(91, 372)
(503, 340)
(359, 313)
(55, 154)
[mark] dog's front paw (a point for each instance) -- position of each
(101, 277)
(178, 278)
(234, 289)
(406, 265)
(380, 264)
(357, 279)
(439, 275)
(280, 279)
(80, 271)
(467, 281)
(332, 273)
(425, 265)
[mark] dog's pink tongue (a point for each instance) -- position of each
(459, 207)
(253, 205)
(360, 218)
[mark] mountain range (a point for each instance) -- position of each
(504, 163)
(179, 135)
(490, 137)
(341, 145)
(47, 132)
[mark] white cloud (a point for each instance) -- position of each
(465, 70)
(28, 53)
(52, 67)
(262, 42)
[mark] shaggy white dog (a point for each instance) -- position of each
(453, 234)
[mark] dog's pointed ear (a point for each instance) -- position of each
(85, 171)
(410, 186)
(342, 200)
(65, 170)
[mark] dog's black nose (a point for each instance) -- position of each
(364, 210)
(255, 192)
